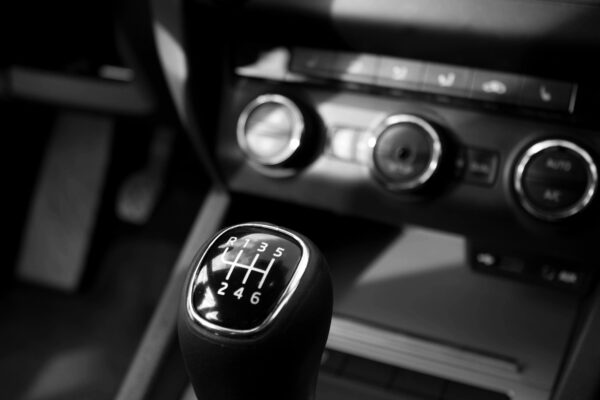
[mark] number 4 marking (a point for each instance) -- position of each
(239, 293)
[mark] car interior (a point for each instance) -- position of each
(424, 173)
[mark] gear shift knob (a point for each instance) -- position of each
(255, 315)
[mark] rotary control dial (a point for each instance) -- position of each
(555, 179)
(271, 131)
(406, 152)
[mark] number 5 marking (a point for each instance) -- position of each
(278, 252)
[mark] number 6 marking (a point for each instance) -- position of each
(255, 298)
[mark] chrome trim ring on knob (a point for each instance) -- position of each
(281, 303)
(583, 202)
(297, 123)
(436, 151)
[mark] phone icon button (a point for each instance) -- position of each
(547, 94)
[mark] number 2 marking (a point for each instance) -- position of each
(221, 291)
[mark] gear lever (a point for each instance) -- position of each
(255, 315)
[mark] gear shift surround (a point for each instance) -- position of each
(255, 315)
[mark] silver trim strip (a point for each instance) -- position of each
(395, 348)
(573, 98)
(296, 134)
(283, 299)
(158, 336)
(452, 363)
(582, 203)
(436, 151)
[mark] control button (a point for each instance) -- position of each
(403, 152)
(555, 179)
(557, 164)
(371, 372)
(548, 273)
(447, 79)
(406, 152)
(481, 167)
(485, 259)
(353, 67)
(400, 73)
(551, 95)
(567, 277)
(562, 276)
(243, 277)
(312, 62)
(512, 266)
(264, 63)
(552, 196)
(495, 86)
(270, 130)
(344, 142)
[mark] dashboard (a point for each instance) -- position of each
(460, 117)
(443, 154)
(469, 124)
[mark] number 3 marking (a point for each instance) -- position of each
(263, 247)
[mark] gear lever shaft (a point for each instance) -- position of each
(255, 315)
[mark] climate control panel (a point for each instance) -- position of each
(472, 172)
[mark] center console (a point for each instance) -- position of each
(462, 144)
